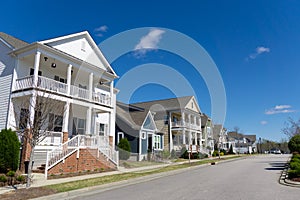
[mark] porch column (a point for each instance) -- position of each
(183, 118)
(31, 109)
(190, 137)
(36, 67)
(65, 125)
(189, 119)
(170, 132)
(111, 92)
(88, 120)
(91, 85)
(183, 137)
(111, 127)
(69, 76)
(195, 120)
(196, 142)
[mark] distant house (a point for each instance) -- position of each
(207, 139)
(178, 120)
(242, 143)
(138, 126)
(220, 136)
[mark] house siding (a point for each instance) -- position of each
(6, 71)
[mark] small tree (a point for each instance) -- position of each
(36, 116)
(291, 128)
(9, 150)
(124, 149)
(294, 144)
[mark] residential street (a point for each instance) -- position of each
(251, 178)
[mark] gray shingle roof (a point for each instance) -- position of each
(131, 115)
(14, 42)
(166, 104)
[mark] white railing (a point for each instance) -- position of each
(51, 138)
(24, 83)
(81, 141)
(59, 87)
(101, 98)
(178, 124)
(52, 85)
(79, 92)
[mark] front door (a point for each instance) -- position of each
(150, 144)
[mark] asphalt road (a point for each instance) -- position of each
(251, 178)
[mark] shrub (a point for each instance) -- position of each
(3, 178)
(9, 150)
(21, 178)
(183, 152)
(221, 153)
(11, 173)
(230, 150)
(215, 153)
(294, 144)
(173, 154)
(124, 149)
(165, 154)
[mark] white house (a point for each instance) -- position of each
(72, 71)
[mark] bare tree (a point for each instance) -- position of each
(291, 128)
(38, 115)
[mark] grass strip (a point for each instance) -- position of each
(74, 185)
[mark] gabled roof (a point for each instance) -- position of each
(235, 135)
(217, 128)
(167, 104)
(88, 37)
(131, 115)
(15, 43)
(204, 119)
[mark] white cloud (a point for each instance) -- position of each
(149, 41)
(263, 122)
(100, 30)
(259, 50)
(280, 109)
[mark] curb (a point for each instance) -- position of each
(284, 179)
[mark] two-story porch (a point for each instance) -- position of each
(70, 76)
(185, 127)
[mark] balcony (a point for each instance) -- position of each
(182, 124)
(61, 88)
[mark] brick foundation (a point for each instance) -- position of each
(89, 159)
(65, 137)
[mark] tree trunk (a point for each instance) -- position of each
(28, 183)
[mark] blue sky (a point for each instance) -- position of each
(254, 44)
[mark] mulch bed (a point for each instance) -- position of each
(24, 193)
(296, 179)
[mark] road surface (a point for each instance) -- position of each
(252, 178)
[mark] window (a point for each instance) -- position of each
(157, 142)
(120, 136)
(166, 119)
(62, 80)
(144, 135)
(32, 72)
(55, 122)
(78, 126)
(24, 114)
(101, 129)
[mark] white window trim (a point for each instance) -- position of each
(122, 136)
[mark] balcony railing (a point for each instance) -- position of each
(180, 124)
(61, 88)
